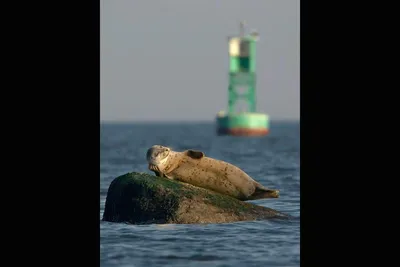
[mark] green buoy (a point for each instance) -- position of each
(242, 118)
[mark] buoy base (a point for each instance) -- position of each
(242, 124)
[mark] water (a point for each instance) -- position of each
(273, 160)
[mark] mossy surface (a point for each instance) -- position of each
(144, 198)
(131, 194)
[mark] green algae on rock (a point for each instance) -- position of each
(141, 198)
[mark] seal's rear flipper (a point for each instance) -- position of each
(264, 193)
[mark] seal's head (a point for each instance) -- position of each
(157, 155)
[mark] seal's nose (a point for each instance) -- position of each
(154, 156)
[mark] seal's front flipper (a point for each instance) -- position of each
(194, 154)
(264, 193)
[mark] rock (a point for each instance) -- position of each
(141, 198)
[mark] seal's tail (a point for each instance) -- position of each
(264, 193)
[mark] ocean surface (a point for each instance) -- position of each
(273, 160)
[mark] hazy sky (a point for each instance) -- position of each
(168, 59)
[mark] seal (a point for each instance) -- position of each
(193, 167)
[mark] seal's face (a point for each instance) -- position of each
(157, 155)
